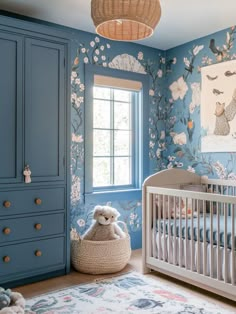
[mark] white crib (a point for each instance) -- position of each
(189, 229)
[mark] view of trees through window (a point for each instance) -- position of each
(112, 136)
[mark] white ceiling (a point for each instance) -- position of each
(181, 21)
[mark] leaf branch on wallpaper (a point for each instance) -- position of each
(160, 108)
(221, 53)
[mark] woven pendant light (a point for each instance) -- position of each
(125, 19)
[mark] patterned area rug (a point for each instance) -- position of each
(126, 294)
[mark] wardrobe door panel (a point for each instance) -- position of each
(44, 110)
(11, 78)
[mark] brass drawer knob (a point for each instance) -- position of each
(38, 201)
(7, 204)
(38, 253)
(38, 226)
(6, 259)
(6, 231)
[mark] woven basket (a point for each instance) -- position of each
(100, 257)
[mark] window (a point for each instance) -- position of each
(113, 136)
(114, 130)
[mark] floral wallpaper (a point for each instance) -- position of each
(183, 87)
(87, 48)
(174, 113)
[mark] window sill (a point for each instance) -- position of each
(107, 196)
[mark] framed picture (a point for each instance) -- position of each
(218, 107)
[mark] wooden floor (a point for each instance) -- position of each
(75, 278)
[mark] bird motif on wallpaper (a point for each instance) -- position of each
(214, 49)
(212, 78)
(217, 92)
(190, 128)
(229, 73)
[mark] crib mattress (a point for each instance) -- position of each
(201, 225)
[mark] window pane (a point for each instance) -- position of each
(122, 95)
(122, 170)
(101, 92)
(101, 114)
(101, 172)
(122, 143)
(122, 119)
(101, 143)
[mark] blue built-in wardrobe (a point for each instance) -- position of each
(34, 132)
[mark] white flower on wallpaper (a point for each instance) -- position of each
(186, 62)
(86, 60)
(196, 93)
(197, 49)
(232, 176)
(77, 138)
(127, 62)
(196, 97)
(159, 73)
(151, 92)
(220, 170)
(75, 189)
(81, 222)
(179, 138)
(191, 169)
(140, 55)
(178, 89)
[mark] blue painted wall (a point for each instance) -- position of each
(88, 48)
(174, 114)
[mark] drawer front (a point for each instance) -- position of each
(31, 201)
(31, 227)
(32, 256)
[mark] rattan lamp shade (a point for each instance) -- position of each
(125, 19)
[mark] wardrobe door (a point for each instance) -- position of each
(11, 78)
(44, 109)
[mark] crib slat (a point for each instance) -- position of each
(175, 249)
(211, 239)
(192, 234)
(149, 224)
(154, 219)
(225, 240)
(186, 232)
(160, 198)
(169, 230)
(180, 234)
(204, 240)
(164, 233)
(233, 244)
(221, 192)
(198, 239)
(218, 241)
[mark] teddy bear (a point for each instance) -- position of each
(104, 227)
(5, 298)
(11, 302)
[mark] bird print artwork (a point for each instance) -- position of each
(217, 92)
(212, 78)
(229, 73)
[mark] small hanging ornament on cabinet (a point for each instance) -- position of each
(27, 174)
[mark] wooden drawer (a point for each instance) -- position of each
(31, 201)
(31, 256)
(31, 227)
